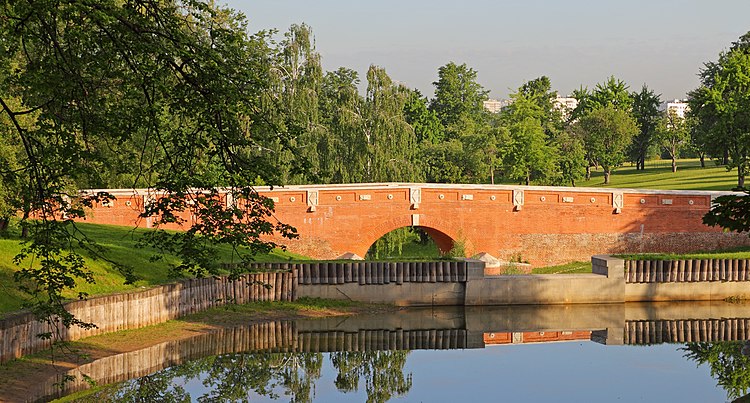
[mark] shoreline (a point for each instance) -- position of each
(18, 374)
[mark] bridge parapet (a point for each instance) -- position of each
(542, 225)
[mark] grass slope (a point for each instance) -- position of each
(120, 244)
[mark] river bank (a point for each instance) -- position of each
(17, 375)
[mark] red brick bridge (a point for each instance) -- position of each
(542, 225)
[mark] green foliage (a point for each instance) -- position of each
(459, 248)
(731, 212)
(606, 132)
(457, 94)
(404, 243)
(646, 113)
(571, 159)
(291, 376)
(672, 135)
(613, 93)
(526, 154)
(720, 108)
(728, 365)
(173, 95)
(426, 125)
(382, 371)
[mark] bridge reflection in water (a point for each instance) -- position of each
(429, 328)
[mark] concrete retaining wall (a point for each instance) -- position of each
(405, 284)
(19, 333)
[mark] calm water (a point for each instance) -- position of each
(645, 352)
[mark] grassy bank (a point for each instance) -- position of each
(740, 253)
(17, 375)
(568, 268)
(120, 245)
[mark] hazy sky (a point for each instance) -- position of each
(662, 43)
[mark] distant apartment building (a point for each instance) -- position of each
(565, 105)
(495, 106)
(678, 106)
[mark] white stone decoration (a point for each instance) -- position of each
(618, 202)
(365, 197)
(518, 199)
(415, 220)
(666, 201)
(467, 197)
(567, 200)
(312, 200)
(415, 197)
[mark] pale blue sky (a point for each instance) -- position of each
(662, 43)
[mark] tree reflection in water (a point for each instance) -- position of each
(383, 372)
(729, 363)
(234, 377)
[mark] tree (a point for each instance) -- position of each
(391, 141)
(527, 154)
(613, 92)
(571, 159)
(457, 94)
(539, 92)
(526, 148)
(341, 152)
(426, 124)
(731, 212)
(606, 132)
(646, 113)
(298, 79)
(721, 107)
(672, 135)
(181, 77)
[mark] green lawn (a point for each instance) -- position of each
(739, 253)
(120, 244)
(568, 268)
(658, 175)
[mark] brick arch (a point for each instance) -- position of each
(443, 235)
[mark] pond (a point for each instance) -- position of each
(625, 352)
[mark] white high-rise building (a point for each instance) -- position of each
(565, 105)
(495, 106)
(678, 106)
